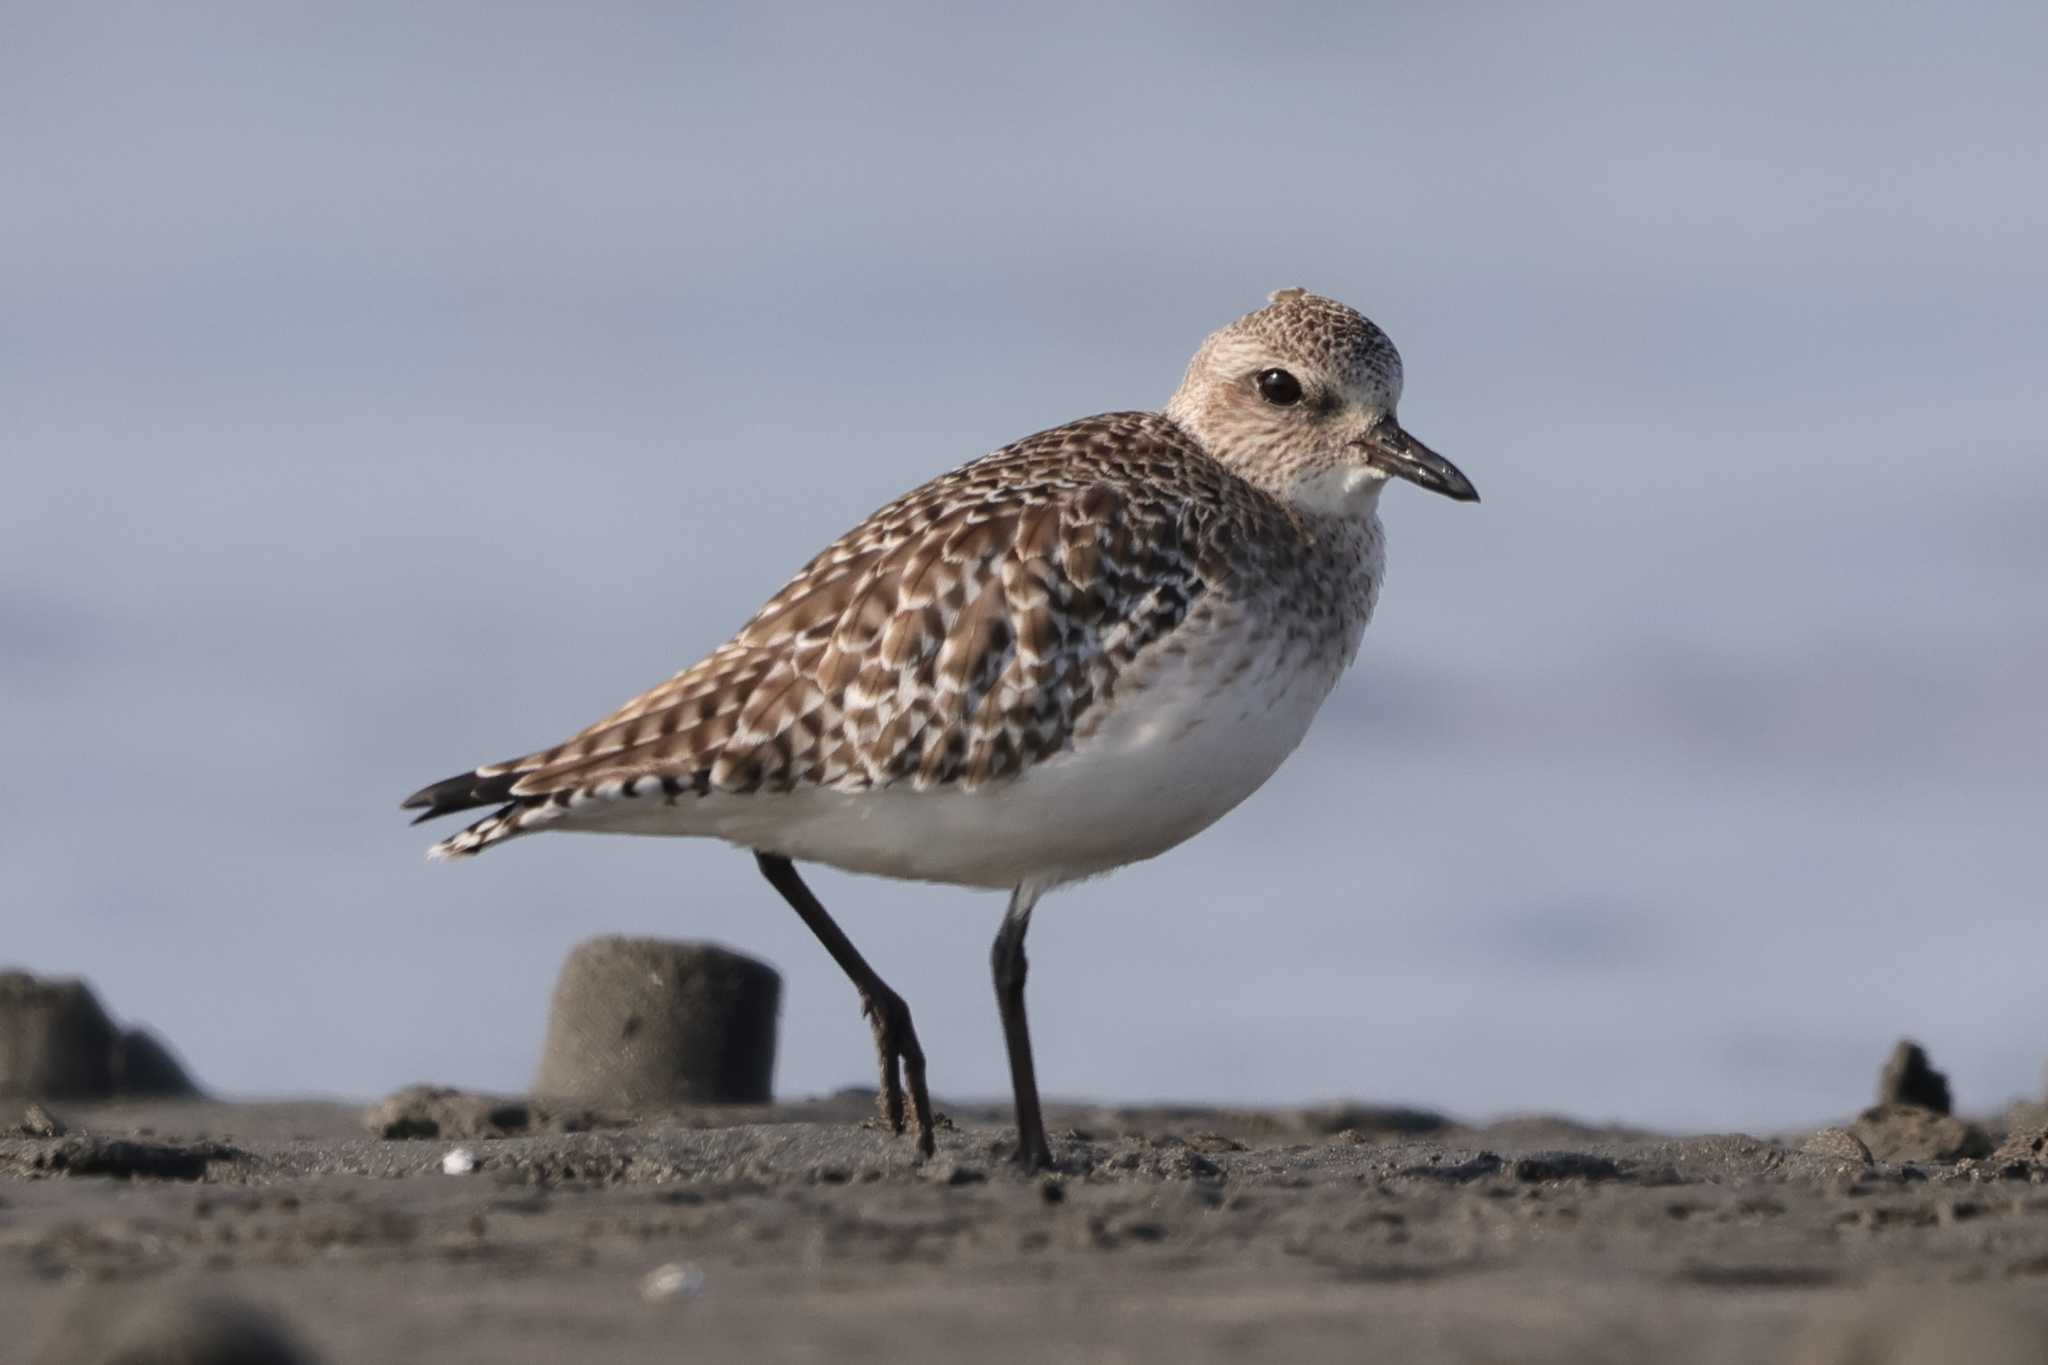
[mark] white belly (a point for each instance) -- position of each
(1166, 762)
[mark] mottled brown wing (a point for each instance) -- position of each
(956, 636)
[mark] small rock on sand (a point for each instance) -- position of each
(1907, 1132)
(93, 1154)
(1911, 1119)
(440, 1111)
(639, 1021)
(1372, 1119)
(1908, 1078)
(38, 1122)
(1837, 1144)
(2023, 1153)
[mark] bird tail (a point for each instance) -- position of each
(467, 791)
(503, 824)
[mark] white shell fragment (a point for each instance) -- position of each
(674, 1280)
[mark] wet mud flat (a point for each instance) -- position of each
(804, 1232)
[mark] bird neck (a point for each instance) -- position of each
(1345, 492)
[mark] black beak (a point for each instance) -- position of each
(1395, 452)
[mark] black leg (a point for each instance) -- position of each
(895, 1040)
(1007, 958)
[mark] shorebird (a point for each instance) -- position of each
(1069, 655)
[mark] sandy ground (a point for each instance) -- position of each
(802, 1233)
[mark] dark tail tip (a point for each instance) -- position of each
(464, 791)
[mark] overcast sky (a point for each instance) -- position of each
(388, 389)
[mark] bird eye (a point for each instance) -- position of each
(1279, 388)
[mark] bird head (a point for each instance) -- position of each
(1299, 399)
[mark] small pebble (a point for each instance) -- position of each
(40, 1122)
(460, 1161)
(1837, 1144)
(674, 1280)
(949, 1172)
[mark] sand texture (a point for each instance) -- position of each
(802, 1232)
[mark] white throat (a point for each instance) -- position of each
(1346, 491)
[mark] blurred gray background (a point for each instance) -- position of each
(387, 389)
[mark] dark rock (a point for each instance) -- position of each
(646, 1022)
(144, 1066)
(1477, 1167)
(1909, 1079)
(1372, 1118)
(1905, 1132)
(122, 1158)
(167, 1328)
(55, 1040)
(1540, 1167)
(439, 1111)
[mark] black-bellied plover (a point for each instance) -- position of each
(1069, 655)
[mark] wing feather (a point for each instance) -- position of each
(960, 634)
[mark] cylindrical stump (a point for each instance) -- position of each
(55, 1040)
(144, 1066)
(639, 1021)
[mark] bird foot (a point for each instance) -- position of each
(902, 1060)
(1033, 1154)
